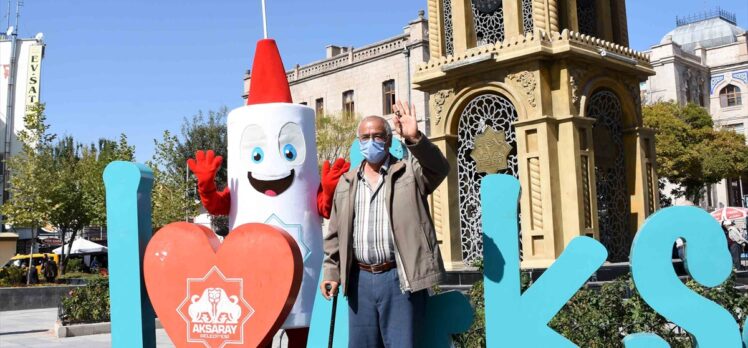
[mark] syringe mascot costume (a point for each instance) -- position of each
(273, 175)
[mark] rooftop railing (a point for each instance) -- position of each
(702, 16)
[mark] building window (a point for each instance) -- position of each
(319, 106)
(349, 108)
(388, 96)
(730, 96)
(587, 17)
(737, 128)
(488, 21)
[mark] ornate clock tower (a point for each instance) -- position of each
(547, 91)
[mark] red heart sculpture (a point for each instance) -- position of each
(209, 294)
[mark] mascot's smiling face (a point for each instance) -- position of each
(272, 158)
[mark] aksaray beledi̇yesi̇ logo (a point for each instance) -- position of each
(214, 310)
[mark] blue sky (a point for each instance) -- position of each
(141, 66)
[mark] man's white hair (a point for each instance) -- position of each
(387, 127)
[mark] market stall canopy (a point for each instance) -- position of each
(730, 213)
(82, 246)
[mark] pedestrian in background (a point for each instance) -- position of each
(50, 269)
(33, 272)
(738, 241)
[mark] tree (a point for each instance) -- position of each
(205, 132)
(29, 200)
(78, 190)
(93, 160)
(335, 134)
(67, 212)
(59, 183)
(690, 152)
(170, 199)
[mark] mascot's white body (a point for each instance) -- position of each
(273, 178)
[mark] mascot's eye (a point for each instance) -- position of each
(289, 152)
(257, 155)
(291, 146)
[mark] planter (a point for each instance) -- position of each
(73, 330)
(74, 281)
(35, 297)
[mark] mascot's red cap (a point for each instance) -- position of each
(268, 82)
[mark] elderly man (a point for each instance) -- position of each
(381, 243)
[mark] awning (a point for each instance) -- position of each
(82, 246)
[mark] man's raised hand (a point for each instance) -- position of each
(405, 122)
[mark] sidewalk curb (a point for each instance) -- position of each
(75, 330)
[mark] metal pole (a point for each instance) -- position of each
(31, 256)
(186, 191)
(19, 3)
(406, 52)
(264, 20)
(742, 200)
(9, 113)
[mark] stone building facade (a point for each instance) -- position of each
(554, 83)
(704, 60)
(363, 81)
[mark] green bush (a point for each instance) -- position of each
(12, 276)
(81, 275)
(74, 265)
(87, 304)
(603, 317)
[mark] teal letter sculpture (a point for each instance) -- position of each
(707, 261)
(128, 202)
(514, 319)
(448, 313)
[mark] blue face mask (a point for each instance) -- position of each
(373, 151)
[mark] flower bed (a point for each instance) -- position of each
(86, 304)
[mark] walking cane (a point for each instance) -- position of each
(332, 316)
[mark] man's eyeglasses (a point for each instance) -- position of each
(378, 137)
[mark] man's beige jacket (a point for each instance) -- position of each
(409, 182)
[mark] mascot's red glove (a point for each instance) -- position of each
(205, 165)
(329, 180)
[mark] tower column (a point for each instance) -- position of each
(436, 27)
(513, 21)
(546, 15)
(620, 27)
(539, 15)
(444, 201)
(463, 28)
(604, 22)
(572, 20)
(636, 178)
(577, 180)
(536, 149)
(553, 15)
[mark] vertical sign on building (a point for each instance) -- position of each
(35, 65)
(34, 71)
